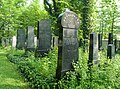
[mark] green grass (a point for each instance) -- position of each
(10, 78)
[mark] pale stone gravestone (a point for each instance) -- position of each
(3, 41)
(20, 39)
(93, 49)
(100, 41)
(110, 51)
(68, 42)
(44, 38)
(35, 41)
(110, 38)
(30, 39)
(14, 41)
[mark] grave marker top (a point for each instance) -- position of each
(69, 19)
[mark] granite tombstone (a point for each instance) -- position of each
(68, 23)
(44, 37)
(111, 51)
(30, 38)
(93, 49)
(20, 39)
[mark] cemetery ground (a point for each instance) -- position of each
(41, 72)
(9, 76)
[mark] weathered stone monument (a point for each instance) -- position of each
(3, 41)
(44, 38)
(20, 39)
(30, 39)
(100, 41)
(110, 51)
(68, 42)
(14, 41)
(93, 49)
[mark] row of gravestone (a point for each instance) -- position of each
(44, 38)
(68, 24)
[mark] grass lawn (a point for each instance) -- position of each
(9, 76)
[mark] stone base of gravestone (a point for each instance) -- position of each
(30, 49)
(40, 53)
(111, 51)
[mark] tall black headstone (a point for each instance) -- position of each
(110, 38)
(93, 49)
(100, 41)
(20, 39)
(68, 42)
(44, 37)
(110, 51)
(30, 38)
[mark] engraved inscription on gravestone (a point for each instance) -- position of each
(68, 42)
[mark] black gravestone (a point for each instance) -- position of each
(68, 42)
(93, 49)
(20, 39)
(44, 38)
(111, 51)
(30, 38)
(110, 38)
(100, 41)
